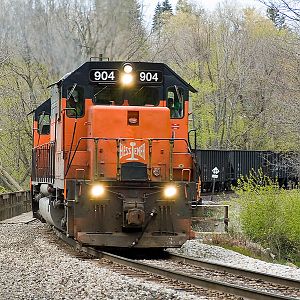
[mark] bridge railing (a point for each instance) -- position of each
(14, 204)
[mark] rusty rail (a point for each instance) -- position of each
(14, 204)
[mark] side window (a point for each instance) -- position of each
(175, 102)
(44, 124)
(75, 103)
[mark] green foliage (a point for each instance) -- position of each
(184, 6)
(276, 17)
(238, 63)
(156, 23)
(2, 190)
(23, 87)
(161, 15)
(166, 6)
(270, 215)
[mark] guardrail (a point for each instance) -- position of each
(14, 204)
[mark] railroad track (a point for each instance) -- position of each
(197, 280)
(293, 283)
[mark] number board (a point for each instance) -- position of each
(150, 76)
(104, 75)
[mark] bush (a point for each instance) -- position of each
(2, 190)
(270, 215)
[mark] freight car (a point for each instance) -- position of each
(235, 164)
(112, 165)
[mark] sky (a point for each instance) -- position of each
(149, 5)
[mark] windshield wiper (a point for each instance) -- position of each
(179, 96)
(99, 92)
(139, 90)
(71, 91)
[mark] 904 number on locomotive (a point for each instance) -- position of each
(150, 76)
(104, 75)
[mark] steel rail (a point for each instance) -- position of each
(236, 271)
(175, 275)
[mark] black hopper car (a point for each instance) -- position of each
(235, 164)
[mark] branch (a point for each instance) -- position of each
(12, 183)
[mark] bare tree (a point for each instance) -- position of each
(289, 8)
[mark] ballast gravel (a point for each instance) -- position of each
(195, 248)
(34, 266)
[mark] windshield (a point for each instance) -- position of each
(112, 95)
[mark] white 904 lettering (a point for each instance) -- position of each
(103, 75)
(149, 76)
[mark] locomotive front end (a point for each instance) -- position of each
(127, 178)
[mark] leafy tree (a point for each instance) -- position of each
(22, 86)
(184, 6)
(2, 189)
(241, 64)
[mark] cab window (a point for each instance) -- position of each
(143, 96)
(175, 102)
(75, 102)
(106, 95)
(134, 97)
(44, 124)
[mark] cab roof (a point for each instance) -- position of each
(85, 68)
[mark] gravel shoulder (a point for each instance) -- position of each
(196, 248)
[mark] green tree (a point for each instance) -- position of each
(240, 64)
(184, 6)
(156, 23)
(166, 6)
(23, 84)
(162, 14)
(276, 17)
(287, 8)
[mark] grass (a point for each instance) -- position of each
(242, 245)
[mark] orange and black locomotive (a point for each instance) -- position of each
(112, 164)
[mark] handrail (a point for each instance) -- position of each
(44, 145)
(118, 140)
(43, 162)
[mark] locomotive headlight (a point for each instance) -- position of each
(128, 68)
(170, 191)
(127, 79)
(97, 190)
